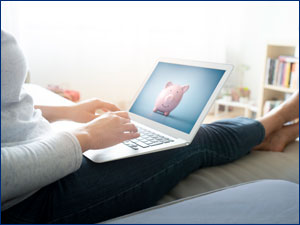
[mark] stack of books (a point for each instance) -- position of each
(283, 71)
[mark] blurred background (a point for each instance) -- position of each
(106, 49)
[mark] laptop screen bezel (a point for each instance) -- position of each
(172, 131)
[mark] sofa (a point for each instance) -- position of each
(258, 165)
(256, 202)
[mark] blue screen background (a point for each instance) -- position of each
(202, 82)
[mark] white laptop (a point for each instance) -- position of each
(169, 107)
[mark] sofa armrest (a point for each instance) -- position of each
(43, 96)
(265, 201)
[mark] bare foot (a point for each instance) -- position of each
(278, 140)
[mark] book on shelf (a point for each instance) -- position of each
(294, 84)
(283, 71)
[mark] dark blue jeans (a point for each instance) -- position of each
(97, 192)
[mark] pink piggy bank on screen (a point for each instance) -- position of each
(169, 98)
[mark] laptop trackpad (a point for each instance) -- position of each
(115, 152)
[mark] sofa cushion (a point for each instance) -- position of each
(254, 166)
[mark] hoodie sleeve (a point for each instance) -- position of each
(26, 168)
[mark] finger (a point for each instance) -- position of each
(128, 136)
(123, 120)
(90, 117)
(129, 127)
(122, 114)
(109, 106)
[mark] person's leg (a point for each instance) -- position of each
(98, 192)
(278, 135)
(278, 140)
(282, 114)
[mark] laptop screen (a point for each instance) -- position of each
(175, 95)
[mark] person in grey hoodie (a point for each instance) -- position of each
(46, 179)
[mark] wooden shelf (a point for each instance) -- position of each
(278, 88)
(270, 92)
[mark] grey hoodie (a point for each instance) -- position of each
(32, 155)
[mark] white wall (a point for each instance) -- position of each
(277, 23)
(105, 49)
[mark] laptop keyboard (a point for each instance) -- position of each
(146, 139)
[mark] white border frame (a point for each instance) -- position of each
(172, 131)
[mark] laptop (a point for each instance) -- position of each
(169, 107)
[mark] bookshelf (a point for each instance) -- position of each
(269, 91)
(277, 88)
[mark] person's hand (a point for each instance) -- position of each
(107, 130)
(82, 112)
(86, 111)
